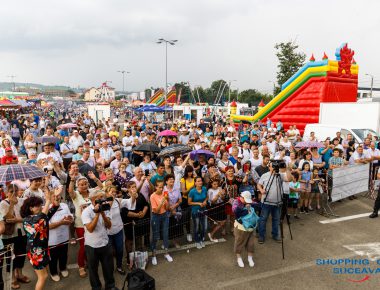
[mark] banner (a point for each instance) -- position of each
(349, 180)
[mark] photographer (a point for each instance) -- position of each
(271, 198)
(98, 249)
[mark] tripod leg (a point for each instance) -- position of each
(282, 240)
(290, 230)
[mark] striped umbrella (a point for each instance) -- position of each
(309, 144)
(19, 171)
(174, 149)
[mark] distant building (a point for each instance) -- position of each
(365, 92)
(103, 93)
(92, 94)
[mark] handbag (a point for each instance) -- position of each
(250, 220)
(9, 227)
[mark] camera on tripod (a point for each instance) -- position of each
(277, 165)
(103, 204)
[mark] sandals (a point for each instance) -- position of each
(82, 272)
(23, 279)
(15, 285)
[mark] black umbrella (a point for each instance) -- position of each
(173, 149)
(47, 139)
(147, 147)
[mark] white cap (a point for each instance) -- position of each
(247, 196)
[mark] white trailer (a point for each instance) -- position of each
(101, 111)
(351, 115)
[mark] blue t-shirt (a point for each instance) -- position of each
(197, 197)
(157, 177)
(326, 157)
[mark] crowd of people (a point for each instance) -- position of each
(103, 192)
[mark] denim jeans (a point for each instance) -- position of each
(117, 242)
(160, 222)
(127, 154)
(200, 226)
(275, 212)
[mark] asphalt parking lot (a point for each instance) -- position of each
(214, 267)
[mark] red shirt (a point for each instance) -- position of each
(9, 160)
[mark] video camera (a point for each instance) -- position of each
(277, 164)
(103, 204)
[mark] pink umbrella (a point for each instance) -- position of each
(167, 133)
(67, 126)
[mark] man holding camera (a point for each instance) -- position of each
(271, 198)
(96, 220)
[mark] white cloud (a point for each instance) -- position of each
(84, 42)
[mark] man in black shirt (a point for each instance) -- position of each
(263, 168)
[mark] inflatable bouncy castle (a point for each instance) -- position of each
(316, 82)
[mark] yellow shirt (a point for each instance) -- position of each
(114, 133)
(188, 185)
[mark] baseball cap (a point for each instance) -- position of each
(8, 149)
(247, 196)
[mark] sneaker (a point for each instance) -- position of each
(154, 261)
(250, 261)
(296, 217)
(212, 239)
(203, 244)
(240, 262)
(301, 210)
(374, 215)
(55, 278)
(310, 208)
(168, 258)
(306, 210)
(261, 241)
(189, 238)
(65, 273)
(198, 245)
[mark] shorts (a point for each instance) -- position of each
(293, 202)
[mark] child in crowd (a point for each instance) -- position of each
(294, 194)
(305, 181)
(216, 212)
(315, 188)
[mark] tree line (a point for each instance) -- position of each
(289, 61)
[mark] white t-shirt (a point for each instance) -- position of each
(128, 140)
(29, 193)
(256, 162)
(60, 234)
(302, 161)
(79, 203)
(43, 156)
(117, 223)
(99, 237)
(373, 153)
(212, 193)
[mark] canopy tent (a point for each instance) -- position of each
(21, 103)
(150, 108)
(8, 104)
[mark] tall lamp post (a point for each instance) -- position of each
(171, 42)
(371, 82)
(123, 72)
(229, 90)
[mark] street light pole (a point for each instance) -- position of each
(171, 42)
(229, 90)
(123, 72)
(371, 83)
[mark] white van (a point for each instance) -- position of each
(322, 131)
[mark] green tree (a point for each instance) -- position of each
(289, 62)
(253, 97)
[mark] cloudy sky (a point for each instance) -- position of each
(85, 42)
